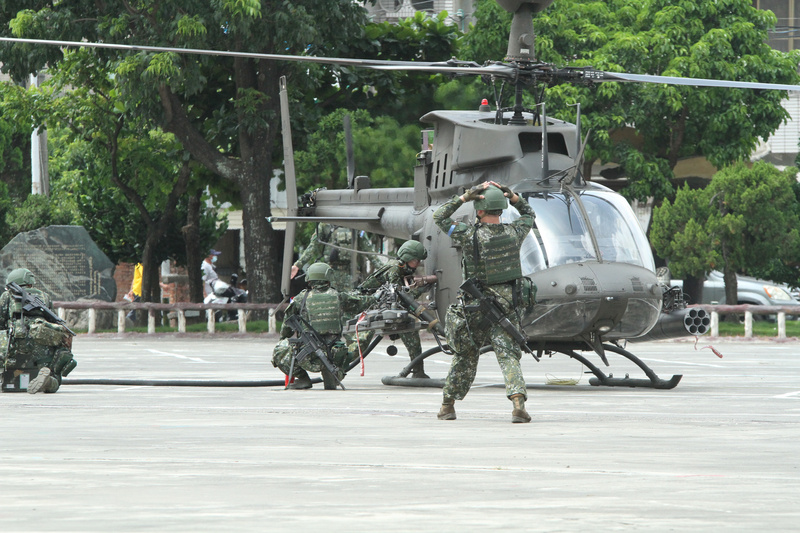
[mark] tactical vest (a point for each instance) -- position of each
(324, 313)
(494, 258)
(342, 237)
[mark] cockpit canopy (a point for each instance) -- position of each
(607, 232)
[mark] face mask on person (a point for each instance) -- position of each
(214, 259)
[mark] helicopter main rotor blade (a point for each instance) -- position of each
(596, 75)
(514, 71)
(367, 63)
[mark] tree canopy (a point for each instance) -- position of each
(223, 111)
(698, 38)
(743, 222)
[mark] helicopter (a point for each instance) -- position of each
(588, 256)
(597, 284)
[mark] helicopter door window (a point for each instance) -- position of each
(616, 229)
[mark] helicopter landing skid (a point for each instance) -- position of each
(601, 379)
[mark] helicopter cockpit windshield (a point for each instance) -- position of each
(561, 234)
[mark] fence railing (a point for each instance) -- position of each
(180, 309)
(748, 311)
(152, 309)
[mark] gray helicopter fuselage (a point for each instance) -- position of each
(589, 284)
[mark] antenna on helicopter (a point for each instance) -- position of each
(351, 160)
(580, 146)
(351, 184)
(545, 150)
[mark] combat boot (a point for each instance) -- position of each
(519, 415)
(448, 410)
(418, 371)
(43, 382)
(301, 381)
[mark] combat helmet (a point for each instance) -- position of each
(493, 200)
(21, 276)
(411, 250)
(319, 272)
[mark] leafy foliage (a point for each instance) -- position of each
(746, 221)
(704, 39)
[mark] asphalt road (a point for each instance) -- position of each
(718, 452)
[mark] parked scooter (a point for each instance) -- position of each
(226, 293)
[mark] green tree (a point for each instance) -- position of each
(131, 174)
(743, 222)
(224, 111)
(383, 150)
(698, 38)
(15, 171)
(753, 219)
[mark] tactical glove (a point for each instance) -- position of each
(508, 192)
(474, 193)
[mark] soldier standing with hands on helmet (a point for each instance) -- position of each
(409, 256)
(324, 309)
(33, 344)
(490, 258)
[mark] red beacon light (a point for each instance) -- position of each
(484, 105)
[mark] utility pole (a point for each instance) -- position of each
(40, 177)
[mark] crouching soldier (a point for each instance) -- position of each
(317, 315)
(36, 343)
(409, 256)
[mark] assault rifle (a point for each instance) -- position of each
(310, 343)
(493, 313)
(31, 302)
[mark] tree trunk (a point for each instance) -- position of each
(194, 256)
(693, 289)
(261, 251)
(251, 172)
(731, 290)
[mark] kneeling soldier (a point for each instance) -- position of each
(321, 310)
(37, 343)
(409, 256)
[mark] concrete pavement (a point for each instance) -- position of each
(717, 452)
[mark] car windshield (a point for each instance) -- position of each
(561, 235)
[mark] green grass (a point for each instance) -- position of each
(761, 328)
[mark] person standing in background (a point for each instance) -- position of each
(135, 294)
(209, 272)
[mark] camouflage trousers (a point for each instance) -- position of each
(466, 340)
(282, 358)
(24, 353)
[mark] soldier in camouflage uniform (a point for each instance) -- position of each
(325, 309)
(490, 254)
(33, 345)
(409, 257)
(329, 245)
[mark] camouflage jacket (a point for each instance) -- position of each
(462, 233)
(319, 249)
